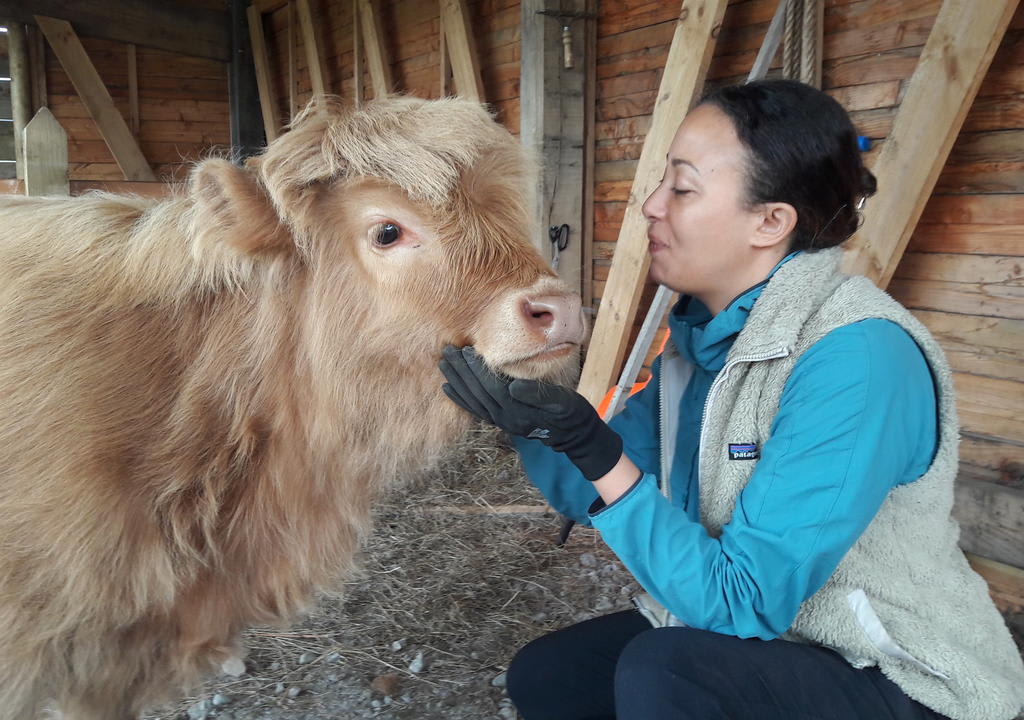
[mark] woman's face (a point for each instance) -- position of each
(702, 236)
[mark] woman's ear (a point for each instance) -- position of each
(777, 221)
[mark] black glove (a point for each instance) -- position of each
(559, 417)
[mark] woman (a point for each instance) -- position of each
(782, 488)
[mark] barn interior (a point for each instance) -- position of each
(125, 95)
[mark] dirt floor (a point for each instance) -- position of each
(444, 599)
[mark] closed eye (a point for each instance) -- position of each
(679, 191)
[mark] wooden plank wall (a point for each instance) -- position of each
(183, 108)
(411, 36)
(962, 273)
(632, 46)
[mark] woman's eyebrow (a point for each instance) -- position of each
(676, 162)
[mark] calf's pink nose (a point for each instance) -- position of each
(556, 317)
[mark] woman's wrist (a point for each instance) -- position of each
(614, 484)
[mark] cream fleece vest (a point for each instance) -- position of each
(903, 598)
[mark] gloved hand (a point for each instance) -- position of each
(559, 417)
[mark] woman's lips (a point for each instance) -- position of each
(653, 246)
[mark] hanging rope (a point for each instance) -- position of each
(809, 60)
(791, 45)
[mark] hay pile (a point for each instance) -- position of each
(442, 603)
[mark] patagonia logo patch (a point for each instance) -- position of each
(743, 451)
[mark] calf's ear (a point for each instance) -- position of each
(232, 208)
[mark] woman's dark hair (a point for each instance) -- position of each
(803, 151)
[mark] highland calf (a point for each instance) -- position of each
(201, 396)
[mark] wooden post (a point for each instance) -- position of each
(97, 100)
(955, 59)
(21, 98)
(309, 38)
(376, 57)
(689, 55)
(46, 156)
(552, 125)
(461, 47)
(589, 118)
(264, 82)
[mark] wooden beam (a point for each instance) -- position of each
(955, 59)
(21, 89)
(313, 55)
(121, 187)
(1005, 582)
(376, 55)
(293, 63)
(266, 6)
(461, 48)
(164, 25)
(246, 118)
(357, 55)
(97, 100)
(693, 43)
(445, 61)
(46, 156)
(133, 90)
(264, 81)
(490, 509)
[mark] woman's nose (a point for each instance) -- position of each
(654, 206)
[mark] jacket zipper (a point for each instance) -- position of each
(665, 485)
(779, 352)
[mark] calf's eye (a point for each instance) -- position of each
(387, 234)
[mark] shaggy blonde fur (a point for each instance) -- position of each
(200, 397)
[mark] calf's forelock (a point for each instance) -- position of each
(421, 147)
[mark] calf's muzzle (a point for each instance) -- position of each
(556, 317)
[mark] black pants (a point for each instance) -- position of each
(619, 667)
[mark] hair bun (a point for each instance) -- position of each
(868, 183)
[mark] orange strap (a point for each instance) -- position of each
(602, 407)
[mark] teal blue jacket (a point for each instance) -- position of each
(857, 417)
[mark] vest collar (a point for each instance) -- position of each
(705, 340)
(792, 295)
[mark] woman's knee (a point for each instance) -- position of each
(658, 669)
(648, 652)
(527, 669)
